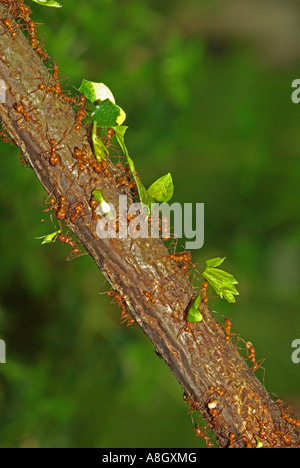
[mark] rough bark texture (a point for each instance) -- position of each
(199, 358)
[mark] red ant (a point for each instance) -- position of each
(251, 355)
(202, 433)
(81, 114)
(194, 405)
(125, 182)
(68, 240)
(219, 390)
(61, 211)
(110, 134)
(79, 208)
(227, 329)
(125, 316)
(9, 27)
(94, 205)
(184, 259)
(54, 157)
(20, 109)
(24, 12)
(203, 291)
(149, 297)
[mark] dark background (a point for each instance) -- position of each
(206, 86)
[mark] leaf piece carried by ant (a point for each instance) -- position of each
(96, 91)
(222, 282)
(107, 113)
(48, 238)
(99, 147)
(194, 315)
(104, 206)
(162, 189)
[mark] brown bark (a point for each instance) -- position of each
(199, 358)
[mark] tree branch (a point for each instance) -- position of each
(216, 380)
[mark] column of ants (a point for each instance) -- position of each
(71, 213)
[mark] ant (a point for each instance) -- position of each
(60, 208)
(219, 390)
(125, 316)
(79, 208)
(9, 27)
(54, 157)
(24, 12)
(149, 297)
(124, 181)
(35, 44)
(20, 109)
(81, 114)
(184, 259)
(203, 291)
(227, 329)
(194, 405)
(289, 419)
(251, 354)
(202, 433)
(68, 240)
(110, 134)
(61, 211)
(94, 205)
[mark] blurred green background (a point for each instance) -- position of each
(206, 86)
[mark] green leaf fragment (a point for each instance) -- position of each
(222, 282)
(259, 443)
(96, 91)
(105, 207)
(162, 189)
(99, 147)
(48, 238)
(107, 114)
(48, 3)
(194, 315)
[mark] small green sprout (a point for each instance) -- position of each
(222, 282)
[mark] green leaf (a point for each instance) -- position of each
(145, 198)
(99, 147)
(194, 315)
(107, 114)
(48, 238)
(162, 189)
(215, 262)
(48, 3)
(96, 91)
(222, 282)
